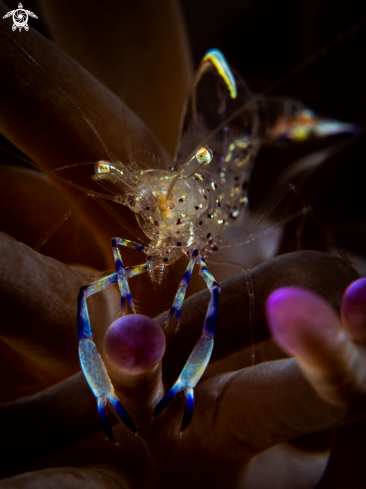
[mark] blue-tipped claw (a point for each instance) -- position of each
(170, 315)
(178, 317)
(103, 415)
(123, 415)
(201, 353)
(188, 410)
(166, 400)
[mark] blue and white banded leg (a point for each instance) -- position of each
(182, 289)
(91, 361)
(121, 271)
(201, 354)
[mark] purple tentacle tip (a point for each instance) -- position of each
(354, 310)
(300, 321)
(134, 344)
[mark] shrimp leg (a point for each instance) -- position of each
(91, 361)
(200, 356)
(182, 289)
(120, 269)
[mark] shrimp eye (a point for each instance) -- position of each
(204, 156)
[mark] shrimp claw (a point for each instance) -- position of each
(200, 356)
(91, 361)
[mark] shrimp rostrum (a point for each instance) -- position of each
(188, 207)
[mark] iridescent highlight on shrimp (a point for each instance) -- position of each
(186, 209)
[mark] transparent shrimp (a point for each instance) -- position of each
(185, 210)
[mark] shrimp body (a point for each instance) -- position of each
(196, 210)
(184, 209)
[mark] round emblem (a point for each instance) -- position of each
(20, 18)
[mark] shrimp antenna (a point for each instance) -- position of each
(99, 137)
(21, 158)
(89, 192)
(126, 138)
(43, 239)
